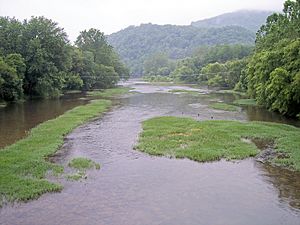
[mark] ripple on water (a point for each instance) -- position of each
(134, 188)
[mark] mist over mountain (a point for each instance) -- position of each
(249, 19)
(137, 43)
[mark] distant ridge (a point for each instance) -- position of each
(249, 19)
(136, 43)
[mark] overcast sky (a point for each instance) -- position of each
(112, 15)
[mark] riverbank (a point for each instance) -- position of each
(213, 140)
(24, 165)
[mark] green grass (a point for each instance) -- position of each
(23, 165)
(76, 177)
(232, 92)
(243, 102)
(109, 92)
(224, 106)
(83, 164)
(213, 140)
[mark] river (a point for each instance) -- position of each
(135, 188)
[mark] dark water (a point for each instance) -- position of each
(17, 119)
(134, 188)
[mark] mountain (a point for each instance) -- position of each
(249, 19)
(136, 43)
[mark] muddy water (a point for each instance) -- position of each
(17, 119)
(134, 188)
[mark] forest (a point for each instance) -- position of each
(136, 44)
(268, 72)
(37, 60)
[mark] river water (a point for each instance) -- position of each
(135, 188)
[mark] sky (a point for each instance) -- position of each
(110, 16)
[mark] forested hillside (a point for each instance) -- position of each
(269, 72)
(36, 59)
(136, 44)
(249, 19)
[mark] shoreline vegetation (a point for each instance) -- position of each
(214, 140)
(24, 164)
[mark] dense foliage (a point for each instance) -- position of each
(136, 44)
(36, 59)
(273, 72)
(270, 74)
(218, 66)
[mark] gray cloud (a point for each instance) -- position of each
(112, 15)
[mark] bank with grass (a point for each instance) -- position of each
(24, 165)
(205, 141)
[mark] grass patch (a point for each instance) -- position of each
(113, 92)
(83, 164)
(243, 102)
(224, 106)
(24, 164)
(76, 177)
(232, 92)
(212, 140)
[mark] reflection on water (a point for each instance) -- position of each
(286, 182)
(134, 188)
(17, 119)
(255, 113)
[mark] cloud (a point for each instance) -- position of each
(112, 15)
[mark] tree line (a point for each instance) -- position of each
(269, 72)
(136, 43)
(37, 59)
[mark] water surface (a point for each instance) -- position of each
(134, 188)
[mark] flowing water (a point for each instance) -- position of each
(135, 188)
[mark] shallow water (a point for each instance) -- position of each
(134, 188)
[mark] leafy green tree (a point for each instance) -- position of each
(94, 41)
(10, 36)
(273, 71)
(183, 73)
(100, 66)
(46, 56)
(214, 73)
(11, 77)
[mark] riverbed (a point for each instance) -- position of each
(135, 188)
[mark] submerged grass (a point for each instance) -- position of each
(224, 106)
(83, 164)
(212, 140)
(23, 165)
(242, 102)
(109, 92)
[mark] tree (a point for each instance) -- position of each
(101, 66)
(11, 77)
(273, 71)
(157, 64)
(46, 57)
(10, 36)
